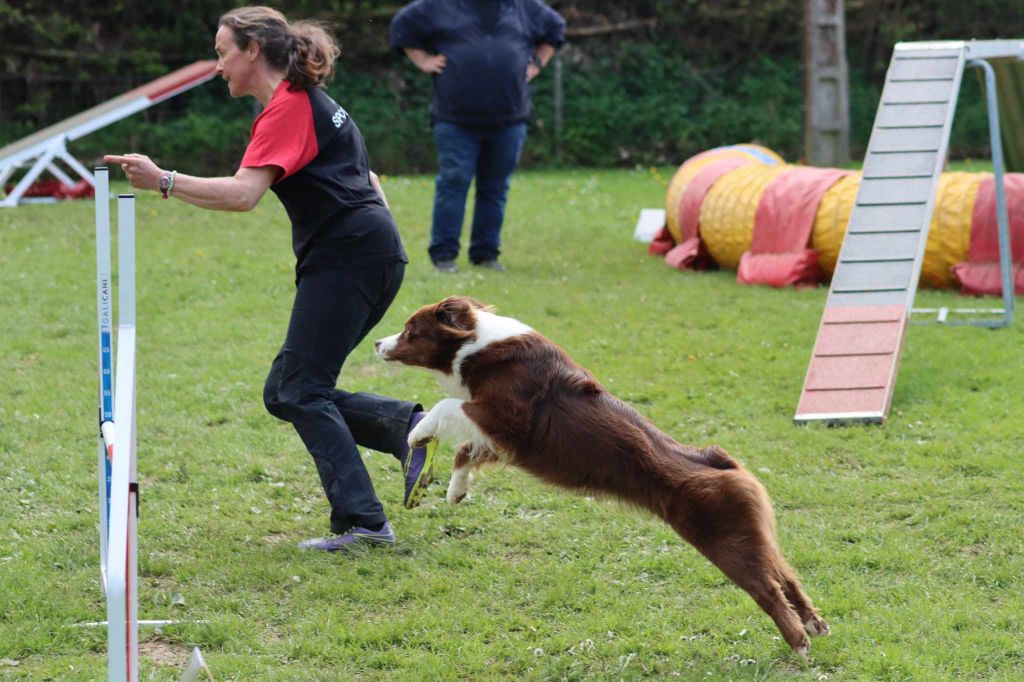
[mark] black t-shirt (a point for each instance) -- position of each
(324, 180)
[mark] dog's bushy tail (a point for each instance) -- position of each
(714, 457)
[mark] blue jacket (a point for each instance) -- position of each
(484, 80)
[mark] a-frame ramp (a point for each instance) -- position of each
(856, 356)
(41, 149)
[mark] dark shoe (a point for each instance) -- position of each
(491, 264)
(384, 536)
(446, 267)
(418, 467)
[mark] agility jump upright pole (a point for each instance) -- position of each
(119, 441)
(104, 307)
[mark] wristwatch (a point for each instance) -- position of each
(166, 184)
(535, 60)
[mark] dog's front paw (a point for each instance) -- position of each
(421, 435)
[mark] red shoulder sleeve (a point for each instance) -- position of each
(283, 135)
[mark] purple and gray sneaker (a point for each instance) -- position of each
(355, 536)
(418, 467)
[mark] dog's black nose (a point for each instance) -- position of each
(376, 344)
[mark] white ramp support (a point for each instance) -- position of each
(40, 150)
(1002, 317)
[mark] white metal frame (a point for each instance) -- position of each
(1004, 315)
(45, 153)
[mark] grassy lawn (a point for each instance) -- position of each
(907, 536)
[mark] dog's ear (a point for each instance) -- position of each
(457, 313)
(479, 305)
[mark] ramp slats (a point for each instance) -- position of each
(878, 165)
(912, 114)
(888, 297)
(853, 366)
(886, 218)
(916, 69)
(895, 190)
(916, 92)
(875, 337)
(907, 139)
(872, 276)
(898, 245)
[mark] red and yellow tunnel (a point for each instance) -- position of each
(743, 208)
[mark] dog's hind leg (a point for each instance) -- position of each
(458, 487)
(813, 623)
(754, 568)
(467, 459)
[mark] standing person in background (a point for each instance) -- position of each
(481, 54)
(349, 257)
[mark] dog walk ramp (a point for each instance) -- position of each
(853, 366)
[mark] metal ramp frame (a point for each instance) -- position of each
(43, 148)
(853, 367)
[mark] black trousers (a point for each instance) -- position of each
(333, 311)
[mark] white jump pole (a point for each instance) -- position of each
(106, 359)
(122, 569)
(118, 476)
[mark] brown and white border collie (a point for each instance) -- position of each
(519, 398)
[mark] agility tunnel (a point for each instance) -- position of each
(741, 207)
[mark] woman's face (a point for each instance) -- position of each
(234, 65)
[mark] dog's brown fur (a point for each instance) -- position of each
(546, 414)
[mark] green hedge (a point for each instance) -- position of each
(643, 104)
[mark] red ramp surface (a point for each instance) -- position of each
(854, 363)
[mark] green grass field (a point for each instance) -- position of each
(907, 536)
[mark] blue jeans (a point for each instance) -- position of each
(463, 153)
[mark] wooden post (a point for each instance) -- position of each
(558, 107)
(826, 84)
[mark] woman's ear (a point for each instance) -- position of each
(252, 50)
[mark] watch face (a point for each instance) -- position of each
(165, 182)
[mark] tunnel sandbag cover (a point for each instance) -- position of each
(779, 252)
(689, 168)
(727, 213)
(981, 274)
(691, 252)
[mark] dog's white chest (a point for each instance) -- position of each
(452, 385)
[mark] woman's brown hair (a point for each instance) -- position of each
(305, 50)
